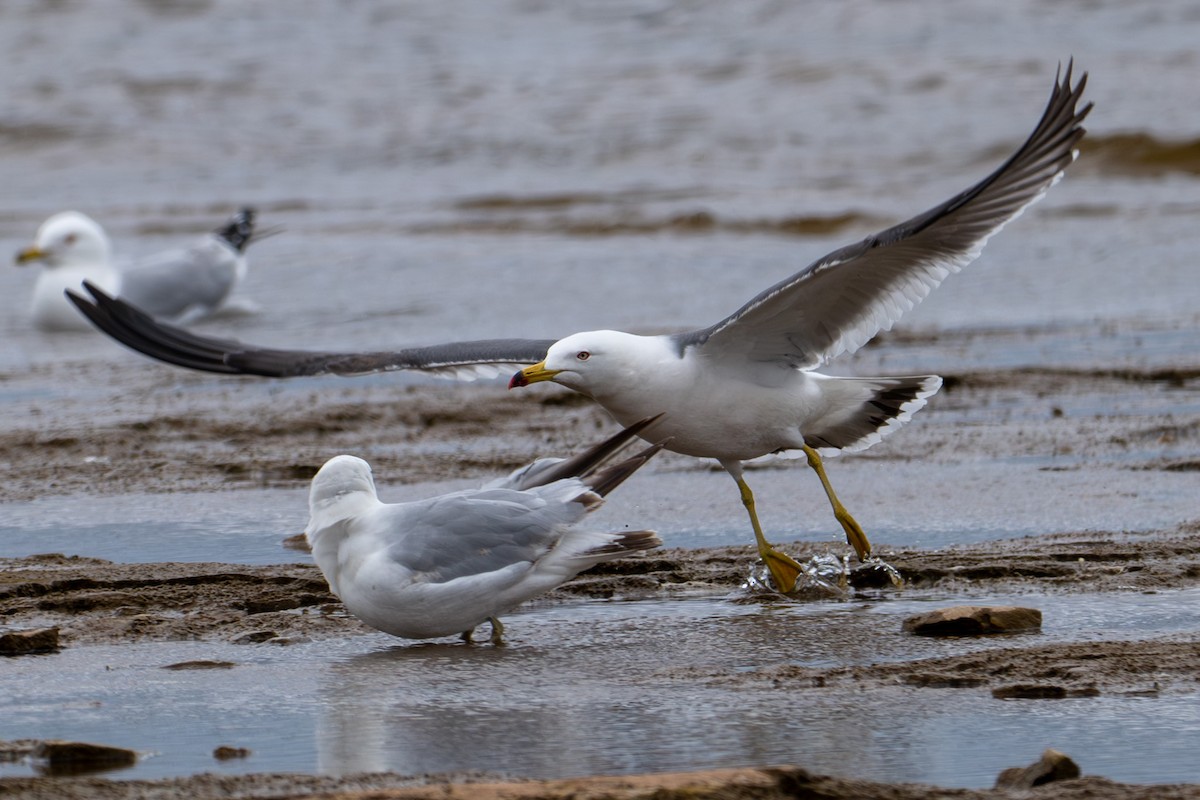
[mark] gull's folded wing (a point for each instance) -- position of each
(839, 302)
(141, 332)
(585, 465)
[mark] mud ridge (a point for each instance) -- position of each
(771, 783)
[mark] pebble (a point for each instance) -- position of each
(225, 752)
(23, 643)
(1052, 766)
(203, 664)
(55, 757)
(974, 621)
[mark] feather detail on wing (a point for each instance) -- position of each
(481, 530)
(841, 301)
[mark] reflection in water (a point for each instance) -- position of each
(585, 696)
(619, 691)
(611, 688)
(632, 687)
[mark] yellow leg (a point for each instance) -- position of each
(854, 532)
(497, 631)
(784, 569)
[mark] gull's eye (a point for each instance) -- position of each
(582, 355)
(69, 239)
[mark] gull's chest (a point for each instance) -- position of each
(715, 414)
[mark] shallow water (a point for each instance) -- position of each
(524, 168)
(902, 505)
(366, 703)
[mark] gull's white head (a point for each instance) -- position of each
(340, 487)
(68, 239)
(590, 361)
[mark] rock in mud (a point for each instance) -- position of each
(1030, 691)
(202, 664)
(54, 757)
(226, 753)
(1052, 766)
(23, 643)
(974, 621)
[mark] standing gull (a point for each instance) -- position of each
(442, 566)
(180, 285)
(744, 387)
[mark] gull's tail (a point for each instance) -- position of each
(239, 230)
(621, 545)
(858, 412)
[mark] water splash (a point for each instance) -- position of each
(824, 576)
(876, 563)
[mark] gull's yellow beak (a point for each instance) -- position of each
(534, 374)
(30, 254)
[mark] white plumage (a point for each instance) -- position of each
(443, 565)
(180, 285)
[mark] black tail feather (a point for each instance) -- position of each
(627, 542)
(239, 231)
(867, 409)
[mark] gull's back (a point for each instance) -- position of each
(442, 566)
(184, 283)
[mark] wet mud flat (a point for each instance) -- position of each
(110, 428)
(118, 428)
(775, 783)
(92, 602)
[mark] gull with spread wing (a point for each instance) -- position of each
(746, 386)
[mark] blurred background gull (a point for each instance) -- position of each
(180, 285)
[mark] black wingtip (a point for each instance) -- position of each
(92, 309)
(602, 483)
(90, 312)
(140, 332)
(239, 231)
(591, 459)
(1062, 85)
(96, 292)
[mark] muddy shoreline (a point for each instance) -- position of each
(91, 601)
(772, 783)
(163, 430)
(205, 435)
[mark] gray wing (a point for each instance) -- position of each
(480, 531)
(841, 301)
(193, 281)
(176, 282)
(139, 331)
